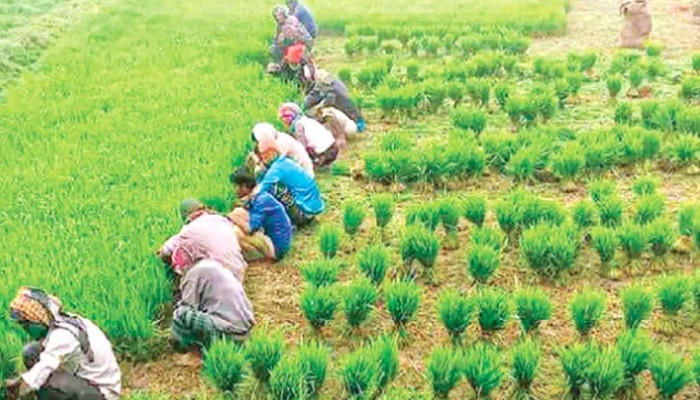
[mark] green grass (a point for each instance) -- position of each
(99, 146)
(528, 15)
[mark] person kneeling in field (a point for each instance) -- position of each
(209, 236)
(267, 137)
(261, 211)
(290, 33)
(302, 13)
(70, 359)
(329, 99)
(318, 141)
(214, 304)
(287, 182)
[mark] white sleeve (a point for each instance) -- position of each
(58, 344)
(170, 245)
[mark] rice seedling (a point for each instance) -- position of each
(683, 150)
(358, 300)
(601, 189)
(443, 370)
(569, 162)
(474, 209)
(688, 121)
(402, 300)
(493, 309)
(427, 215)
(633, 240)
(562, 91)
(264, 351)
(636, 77)
(655, 69)
(532, 306)
(288, 380)
(635, 349)
(606, 373)
(386, 351)
(654, 49)
(686, 218)
(670, 372)
(482, 263)
(587, 309)
(610, 210)
(374, 263)
(588, 61)
(690, 88)
(575, 361)
(487, 236)
(575, 81)
(329, 240)
(383, 206)
(614, 85)
(696, 366)
(605, 242)
(469, 120)
(353, 216)
(624, 114)
(320, 272)
(661, 236)
(637, 305)
(479, 91)
(224, 366)
(455, 312)
(501, 92)
(645, 185)
(673, 294)
(695, 62)
(319, 305)
(345, 75)
(313, 357)
(358, 372)
(449, 215)
(649, 207)
(419, 244)
(526, 357)
(584, 214)
(483, 368)
(550, 250)
(525, 163)
(696, 291)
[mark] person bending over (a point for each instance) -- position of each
(261, 211)
(302, 13)
(214, 304)
(70, 358)
(209, 236)
(318, 141)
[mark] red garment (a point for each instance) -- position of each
(294, 54)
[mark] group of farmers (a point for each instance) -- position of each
(71, 358)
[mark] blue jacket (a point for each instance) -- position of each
(304, 16)
(302, 186)
(268, 213)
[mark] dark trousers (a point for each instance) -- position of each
(60, 385)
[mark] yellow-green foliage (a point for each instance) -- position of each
(102, 142)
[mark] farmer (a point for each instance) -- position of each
(267, 137)
(70, 359)
(318, 141)
(290, 34)
(290, 185)
(637, 25)
(330, 100)
(261, 212)
(214, 304)
(302, 13)
(206, 235)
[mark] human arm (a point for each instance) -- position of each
(257, 213)
(59, 344)
(166, 251)
(189, 291)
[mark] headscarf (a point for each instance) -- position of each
(33, 305)
(268, 157)
(277, 10)
(36, 306)
(291, 111)
(266, 136)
